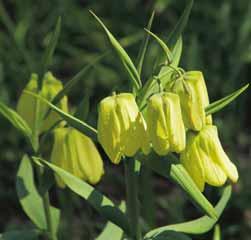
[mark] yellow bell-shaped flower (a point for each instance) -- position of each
(77, 154)
(121, 127)
(193, 95)
(165, 124)
(202, 92)
(27, 104)
(205, 159)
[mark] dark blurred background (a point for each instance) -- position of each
(217, 41)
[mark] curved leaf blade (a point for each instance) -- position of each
(100, 202)
(30, 199)
(219, 104)
(164, 47)
(125, 59)
(169, 168)
(200, 225)
(71, 120)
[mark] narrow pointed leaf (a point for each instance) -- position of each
(197, 226)
(219, 104)
(171, 169)
(72, 121)
(164, 47)
(144, 45)
(111, 229)
(101, 203)
(125, 59)
(176, 52)
(30, 199)
(16, 120)
(180, 26)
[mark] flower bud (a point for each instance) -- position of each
(77, 154)
(205, 159)
(165, 124)
(121, 127)
(28, 105)
(193, 95)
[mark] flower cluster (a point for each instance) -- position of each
(174, 121)
(72, 150)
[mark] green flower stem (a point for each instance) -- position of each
(46, 204)
(132, 203)
(39, 171)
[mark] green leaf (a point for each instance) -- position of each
(180, 26)
(168, 235)
(47, 58)
(72, 121)
(101, 203)
(219, 104)
(22, 235)
(171, 169)
(144, 46)
(164, 47)
(125, 59)
(200, 225)
(217, 233)
(112, 229)
(29, 198)
(16, 120)
(176, 52)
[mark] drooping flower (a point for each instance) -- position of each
(121, 127)
(165, 124)
(192, 91)
(205, 159)
(202, 90)
(28, 105)
(77, 154)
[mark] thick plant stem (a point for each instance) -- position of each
(132, 202)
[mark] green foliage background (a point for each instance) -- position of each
(217, 41)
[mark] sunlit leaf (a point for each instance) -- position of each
(72, 121)
(219, 104)
(198, 226)
(29, 198)
(125, 59)
(164, 47)
(170, 168)
(100, 202)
